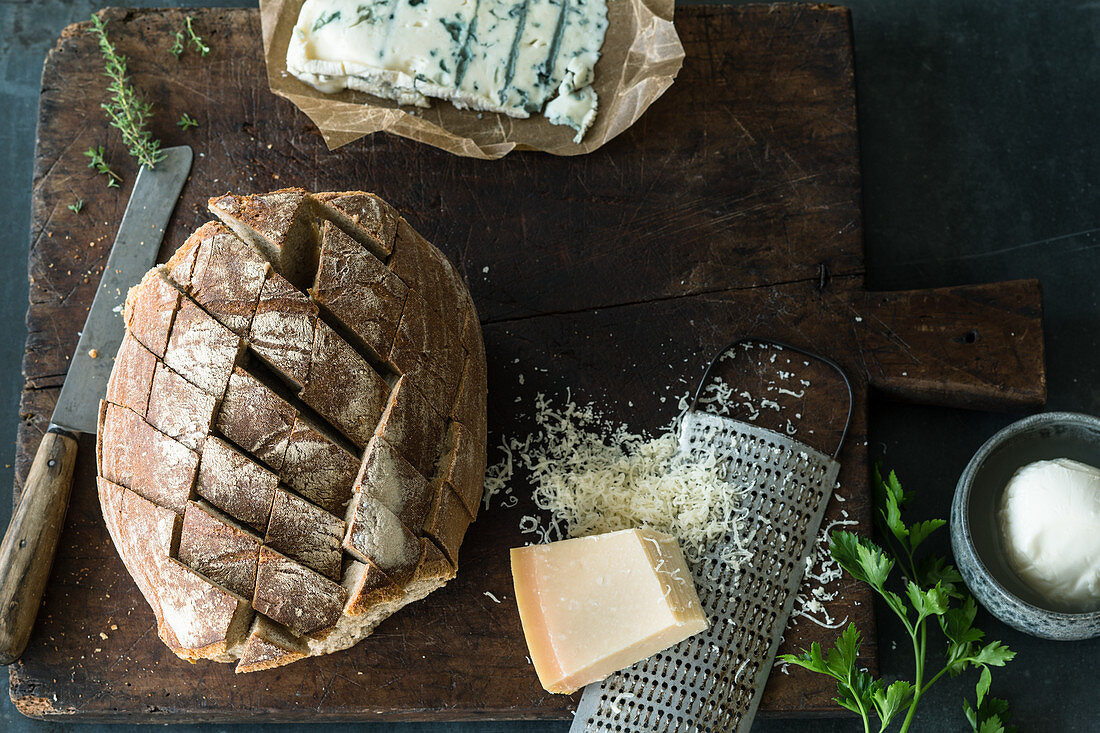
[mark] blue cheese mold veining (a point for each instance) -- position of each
(513, 57)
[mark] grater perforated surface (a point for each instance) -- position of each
(713, 681)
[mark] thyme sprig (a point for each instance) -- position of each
(76, 207)
(100, 165)
(186, 121)
(177, 45)
(125, 110)
(195, 39)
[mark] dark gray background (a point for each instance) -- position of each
(978, 124)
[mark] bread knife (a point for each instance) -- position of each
(27, 552)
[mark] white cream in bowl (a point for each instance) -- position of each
(1050, 528)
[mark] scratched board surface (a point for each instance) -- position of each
(730, 208)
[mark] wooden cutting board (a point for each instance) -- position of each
(732, 207)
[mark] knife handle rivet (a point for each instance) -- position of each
(52, 462)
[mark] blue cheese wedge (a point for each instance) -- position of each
(513, 57)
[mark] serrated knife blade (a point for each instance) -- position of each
(27, 551)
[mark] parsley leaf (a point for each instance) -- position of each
(933, 570)
(861, 558)
(889, 702)
(994, 653)
(856, 689)
(919, 532)
(991, 714)
(931, 602)
(957, 623)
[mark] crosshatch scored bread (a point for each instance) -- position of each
(293, 440)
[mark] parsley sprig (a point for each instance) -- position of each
(125, 110)
(933, 593)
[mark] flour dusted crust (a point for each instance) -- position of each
(293, 441)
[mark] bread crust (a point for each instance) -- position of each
(218, 548)
(178, 408)
(226, 279)
(415, 262)
(462, 466)
(292, 444)
(365, 217)
(428, 349)
(302, 599)
(318, 468)
(282, 330)
(195, 618)
(376, 535)
(282, 225)
(140, 457)
(359, 290)
(150, 310)
(202, 350)
(256, 419)
(270, 645)
(447, 520)
(413, 426)
(388, 478)
(343, 387)
(306, 533)
(132, 376)
(236, 484)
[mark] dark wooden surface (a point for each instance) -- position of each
(732, 207)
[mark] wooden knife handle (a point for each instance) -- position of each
(31, 540)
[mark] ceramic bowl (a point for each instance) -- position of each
(975, 534)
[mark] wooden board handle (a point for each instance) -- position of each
(31, 540)
(975, 346)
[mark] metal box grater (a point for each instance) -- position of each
(713, 681)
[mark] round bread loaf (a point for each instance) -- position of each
(293, 440)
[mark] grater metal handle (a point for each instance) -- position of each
(785, 346)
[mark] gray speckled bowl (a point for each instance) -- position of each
(976, 537)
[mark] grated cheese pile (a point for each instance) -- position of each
(592, 476)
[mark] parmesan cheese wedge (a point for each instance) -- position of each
(591, 606)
